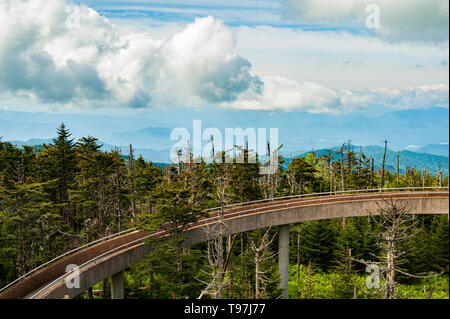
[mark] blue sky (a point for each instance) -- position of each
(317, 56)
(233, 12)
(273, 56)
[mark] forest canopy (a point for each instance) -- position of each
(60, 196)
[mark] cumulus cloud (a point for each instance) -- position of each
(63, 55)
(289, 95)
(400, 20)
(201, 57)
(281, 93)
(27, 67)
(404, 98)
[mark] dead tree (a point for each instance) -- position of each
(397, 172)
(330, 169)
(342, 170)
(132, 184)
(372, 172)
(396, 224)
(440, 175)
(215, 235)
(424, 175)
(299, 227)
(360, 161)
(262, 254)
(383, 164)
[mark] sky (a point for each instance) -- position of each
(326, 57)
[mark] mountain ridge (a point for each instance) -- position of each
(407, 157)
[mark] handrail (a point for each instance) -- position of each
(95, 258)
(285, 204)
(323, 193)
(211, 218)
(65, 254)
(193, 224)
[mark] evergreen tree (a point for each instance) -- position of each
(317, 241)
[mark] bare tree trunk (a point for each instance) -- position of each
(424, 175)
(322, 164)
(230, 245)
(390, 276)
(330, 170)
(440, 176)
(342, 170)
(372, 168)
(398, 167)
(261, 255)
(384, 163)
(132, 186)
(395, 224)
(360, 161)
(298, 251)
(257, 273)
(216, 251)
(220, 262)
(119, 217)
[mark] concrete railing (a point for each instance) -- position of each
(358, 191)
(66, 254)
(314, 197)
(130, 244)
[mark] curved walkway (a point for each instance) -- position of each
(114, 255)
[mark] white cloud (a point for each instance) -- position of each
(400, 20)
(281, 93)
(93, 63)
(320, 56)
(289, 95)
(97, 65)
(201, 58)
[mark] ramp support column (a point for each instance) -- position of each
(283, 259)
(117, 286)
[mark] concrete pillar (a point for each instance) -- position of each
(283, 259)
(117, 286)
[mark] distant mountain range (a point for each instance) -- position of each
(435, 149)
(150, 129)
(299, 132)
(407, 158)
(157, 156)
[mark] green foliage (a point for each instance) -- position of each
(61, 195)
(317, 242)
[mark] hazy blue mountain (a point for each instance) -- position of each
(156, 156)
(407, 158)
(153, 137)
(435, 149)
(32, 142)
(297, 130)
